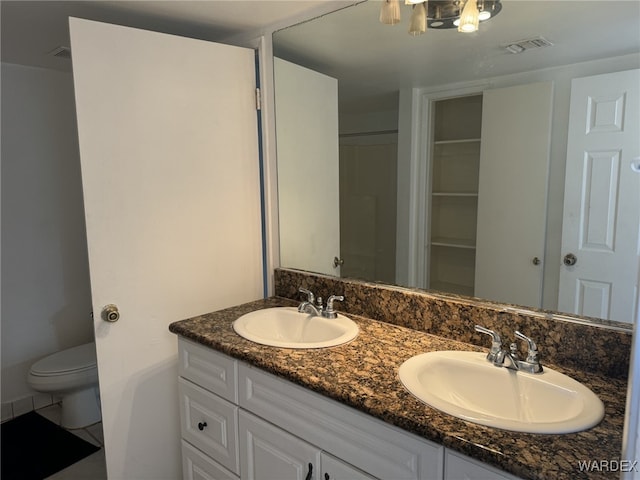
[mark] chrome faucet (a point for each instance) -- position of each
(314, 306)
(496, 342)
(329, 312)
(308, 305)
(532, 362)
(498, 356)
(511, 356)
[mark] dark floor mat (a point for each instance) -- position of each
(34, 448)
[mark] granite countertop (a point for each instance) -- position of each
(363, 374)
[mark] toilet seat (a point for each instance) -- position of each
(73, 360)
(71, 377)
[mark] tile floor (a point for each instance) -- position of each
(89, 468)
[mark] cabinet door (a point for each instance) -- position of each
(334, 469)
(268, 453)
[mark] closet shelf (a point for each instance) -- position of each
(454, 194)
(454, 242)
(451, 142)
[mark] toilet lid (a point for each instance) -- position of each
(82, 357)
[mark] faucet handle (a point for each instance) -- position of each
(310, 296)
(329, 311)
(532, 345)
(496, 342)
(533, 348)
(532, 353)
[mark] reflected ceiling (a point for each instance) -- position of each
(352, 44)
(31, 29)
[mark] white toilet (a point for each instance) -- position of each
(71, 375)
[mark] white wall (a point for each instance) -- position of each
(561, 77)
(353, 123)
(46, 300)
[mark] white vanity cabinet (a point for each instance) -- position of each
(238, 421)
(335, 469)
(208, 413)
(269, 452)
(460, 467)
(368, 444)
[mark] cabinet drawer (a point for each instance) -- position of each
(209, 423)
(214, 371)
(360, 440)
(197, 466)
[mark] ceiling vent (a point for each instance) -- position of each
(61, 52)
(528, 44)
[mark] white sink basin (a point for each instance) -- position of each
(466, 385)
(286, 327)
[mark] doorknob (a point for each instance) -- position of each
(570, 259)
(536, 261)
(338, 262)
(110, 313)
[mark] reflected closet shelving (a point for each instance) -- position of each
(455, 167)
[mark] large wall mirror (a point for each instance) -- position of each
(456, 162)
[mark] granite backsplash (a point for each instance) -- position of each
(590, 345)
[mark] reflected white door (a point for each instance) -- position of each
(368, 170)
(516, 133)
(168, 147)
(308, 176)
(601, 211)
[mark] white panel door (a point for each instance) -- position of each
(512, 193)
(601, 211)
(308, 175)
(170, 171)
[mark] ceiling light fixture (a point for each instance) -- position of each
(465, 15)
(469, 18)
(418, 22)
(390, 12)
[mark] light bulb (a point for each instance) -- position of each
(469, 18)
(390, 12)
(418, 23)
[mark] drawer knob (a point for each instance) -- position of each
(201, 425)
